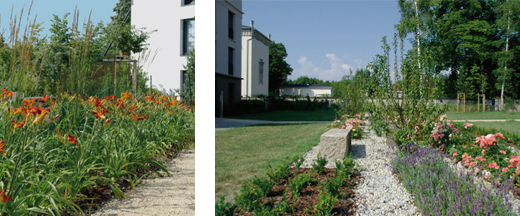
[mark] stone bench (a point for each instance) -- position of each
(335, 144)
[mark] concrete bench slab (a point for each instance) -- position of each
(335, 144)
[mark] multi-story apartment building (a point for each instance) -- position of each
(228, 45)
(175, 37)
(255, 62)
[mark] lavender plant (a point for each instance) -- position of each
(439, 190)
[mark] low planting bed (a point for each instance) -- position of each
(68, 154)
(297, 191)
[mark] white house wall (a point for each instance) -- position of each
(222, 40)
(166, 16)
(250, 83)
(304, 91)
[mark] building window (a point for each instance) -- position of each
(261, 72)
(188, 35)
(230, 25)
(230, 60)
(188, 2)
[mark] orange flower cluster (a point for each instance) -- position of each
(6, 94)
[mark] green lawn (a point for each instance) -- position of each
(510, 126)
(292, 115)
(241, 153)
(482, 115)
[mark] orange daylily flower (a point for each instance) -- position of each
(139, 117)
(120, 104)
(40, 117)
(28, 103)
(2, 145)
(113, 97)
(132, 108)
(158, 102)
(7, 94)
(44, 99)
(149, 98)
(100, 113)
(4, 196)
(164, 98)
(17, 125)
(126, 95)
(13, 111)
(72, 140)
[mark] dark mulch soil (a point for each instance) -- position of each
(309, 195)
(101, 194)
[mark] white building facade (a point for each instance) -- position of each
(255, 62)
(313, 90)
(228, 44)
(169, 46)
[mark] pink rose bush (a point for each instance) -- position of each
(353, 124)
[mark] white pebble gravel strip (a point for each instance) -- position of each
(379, 192)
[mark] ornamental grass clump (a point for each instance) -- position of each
(439, 190)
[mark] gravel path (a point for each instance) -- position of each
(379, 192)
(174, 195)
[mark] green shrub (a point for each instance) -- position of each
(298, 160)
(325, 204)
(298, 183)
(249, 196)
(319, 164)
(276, 174)
(224, 209)
(264, 184)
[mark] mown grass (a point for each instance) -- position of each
(241, 153)
(511, 126)
(482, 115)
(292, 115)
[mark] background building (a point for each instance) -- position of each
(175, 22)
(255, 62)
(228, 44)
(313, 90)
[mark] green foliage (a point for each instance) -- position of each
(305, 80)
(188, 95)
(298, 183)
(121, 9)
(278, 173)
(325, 204)
(352, 89)
(264, 184)
(279, 69)
(319, 164)
(298, 160)
(249, 196)
(404, 98)
(224, 209)
(127, 38)
(332, 185)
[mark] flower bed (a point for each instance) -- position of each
(316, 191)
(438, 190)
(353, 124)
(59, 154)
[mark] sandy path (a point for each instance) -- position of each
(174, 195)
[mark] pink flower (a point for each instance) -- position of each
(499, 135)
(493, 165)
(504, 169)
(455, 153)
(503, 152)
(483, 151)
(343, 127)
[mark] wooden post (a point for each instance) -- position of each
(484, 107)
(115, 77)
(134, 78)
(150, 84)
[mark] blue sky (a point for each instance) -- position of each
(44, 9)
(325, 38)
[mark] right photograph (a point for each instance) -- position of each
(404, 107)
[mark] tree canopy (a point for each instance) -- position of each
(279, 69)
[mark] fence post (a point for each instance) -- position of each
(115, 76)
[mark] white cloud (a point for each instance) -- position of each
(337, 69)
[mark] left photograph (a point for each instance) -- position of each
(97, 108)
